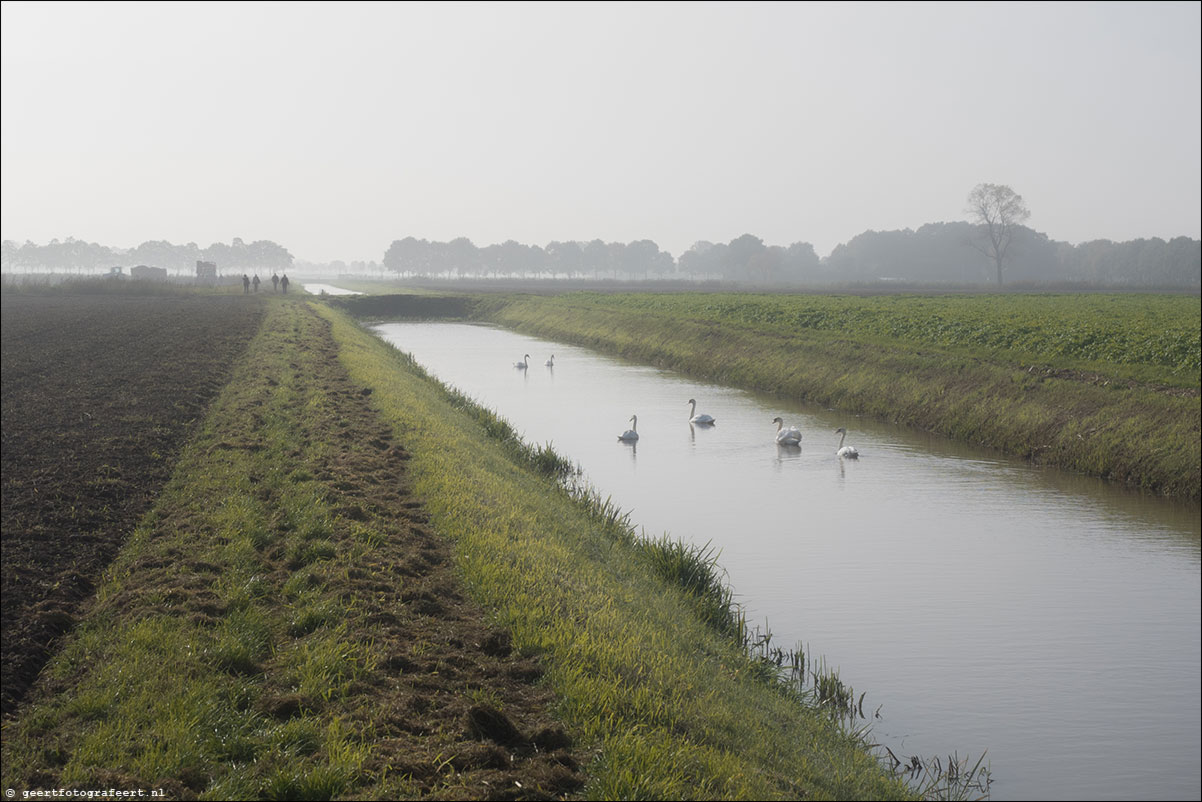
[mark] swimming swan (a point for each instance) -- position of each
(700, 420)
(630, 434)
(551, 362)
(845, 451)
(786, 437)
(525, 363)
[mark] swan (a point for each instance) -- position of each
(551, 362)
(845, 451)
(630, 434)
(525, 363)
(786, 437)
(700, 420)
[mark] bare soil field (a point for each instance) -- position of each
(99, 393)
(100, 396)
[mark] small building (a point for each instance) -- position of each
(206, 272)
(148, 273)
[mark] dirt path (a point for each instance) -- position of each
(464, 716)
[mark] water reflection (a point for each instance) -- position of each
(1050, 618)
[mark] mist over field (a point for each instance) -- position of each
(816, 142)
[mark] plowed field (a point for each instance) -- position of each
(99, 394)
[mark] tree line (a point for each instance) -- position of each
(948, 253)
(936, 253)
(73, 254)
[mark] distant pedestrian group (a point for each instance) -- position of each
(277, 284)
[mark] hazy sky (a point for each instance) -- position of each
(336, 128)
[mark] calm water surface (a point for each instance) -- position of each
(328, 289)
(1047, 619)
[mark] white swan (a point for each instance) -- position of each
(700, 420)
(786, 437)
(845, 451)
(525, 363)
(630, 434)
(551, 362)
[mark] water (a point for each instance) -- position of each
(328, 289)
(1049, 619)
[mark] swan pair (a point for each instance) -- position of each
(792, 437)
(632, 434)
(525, 363)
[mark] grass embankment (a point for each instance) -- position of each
(285, 622)
(1104, 385)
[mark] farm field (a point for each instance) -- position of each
(166, 640)
(99, 394)
(1152, 338)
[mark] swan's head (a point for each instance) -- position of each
(779, 420)
(840, 430)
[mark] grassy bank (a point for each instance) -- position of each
(675, 708)
(356, 585)
(1104, 385)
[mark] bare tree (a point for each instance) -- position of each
(998, 209)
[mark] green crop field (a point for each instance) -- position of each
(1158, 334)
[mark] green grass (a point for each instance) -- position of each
(675, 708)
(1149, 337)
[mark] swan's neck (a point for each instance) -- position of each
(842, 437)
(780, 425)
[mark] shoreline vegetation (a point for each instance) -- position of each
(1102, 384)
(359, 584)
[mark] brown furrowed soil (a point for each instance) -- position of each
(443, 705)
(99, 394)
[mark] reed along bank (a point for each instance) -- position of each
(1106, 385)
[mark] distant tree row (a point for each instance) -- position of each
(743, 259)
(949, 253)
(461, 257)
(73, 254)
(935, 253)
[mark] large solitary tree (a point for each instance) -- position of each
(999, 211)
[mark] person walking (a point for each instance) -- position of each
(256, 282)
(284, 283)
(245, 284)
(275, 282)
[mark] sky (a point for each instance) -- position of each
(334, 129)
